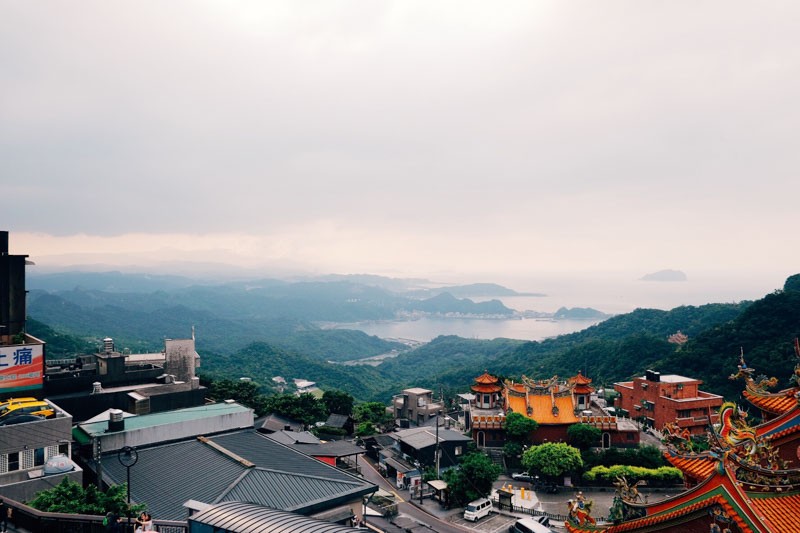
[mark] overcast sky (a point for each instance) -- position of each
(409, 138)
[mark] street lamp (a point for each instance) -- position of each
(127, 457)
(418, 464)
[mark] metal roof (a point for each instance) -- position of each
(166, 418)
(294, 492)
(167, 476)
(419, 438)
(293, 437)
(239, 517)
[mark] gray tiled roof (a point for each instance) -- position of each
(337, 421)
(275, 422)
(167, 476)
(239, 517)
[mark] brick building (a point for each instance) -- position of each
(657, 399)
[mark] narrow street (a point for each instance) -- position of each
(405, 508)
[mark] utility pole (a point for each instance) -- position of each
(436, 452)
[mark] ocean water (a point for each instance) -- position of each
(611, 294)
(428, 328)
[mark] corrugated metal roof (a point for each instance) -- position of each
(239, 517)
(291, 491)
(167, 476)
(275, 456)
(419, 438)
(166, 418)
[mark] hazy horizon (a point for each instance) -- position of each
(458, 141)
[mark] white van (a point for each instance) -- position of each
(530, 525)
(477, 509)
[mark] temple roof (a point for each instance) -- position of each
(698, 467)
(751, 511)
(542, 408)
(487, 378)
(775, 403)
(580, 379)
(480, 387)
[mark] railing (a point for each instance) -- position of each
(556, 518)
(31, 519)
(488, 421)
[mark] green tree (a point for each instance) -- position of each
(552, 459)
(338, 402)
(792, 283)
(244, 392)
(305, 407)
(519, 427)
(374, 412)
(473, 478)
(583, 435)
(70, 497)
(365, 429)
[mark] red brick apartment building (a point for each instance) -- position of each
(660, 399)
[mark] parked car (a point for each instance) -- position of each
(477, 509)
(531, 525)
(522, 476)
(19, 419)
(26, 406)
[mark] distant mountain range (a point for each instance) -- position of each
(264, 328)
(665, 275)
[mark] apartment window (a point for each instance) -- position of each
(684, 413)
(630, 436)
(13, 462)
(38, 457)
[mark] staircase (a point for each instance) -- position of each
(497, 457)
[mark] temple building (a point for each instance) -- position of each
(555, 405)
(748, 481)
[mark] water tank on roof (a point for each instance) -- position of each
(108, 345)
(58, 464)
(116, 420)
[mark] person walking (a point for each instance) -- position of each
(4, 512)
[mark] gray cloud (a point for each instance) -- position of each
(624, 123)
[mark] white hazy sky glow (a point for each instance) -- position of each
(407, 137)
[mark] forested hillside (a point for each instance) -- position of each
(614, 350)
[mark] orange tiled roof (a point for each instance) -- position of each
(580, 379)
(480, 387)
(542, 408)
(779, 511)
(582, 389)
(486, 378)
(698, 467)
(776, 403)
